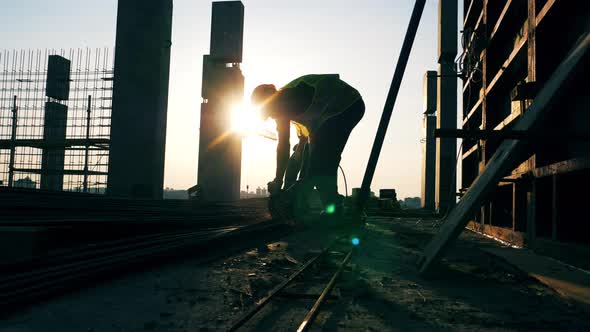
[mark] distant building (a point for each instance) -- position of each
(171, 193)
(258, 193)
(25, 183)
(411, 203)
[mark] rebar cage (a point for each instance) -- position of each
(85, 149)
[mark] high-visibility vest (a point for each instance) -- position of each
(332, 96)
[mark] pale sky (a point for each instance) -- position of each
(283, 39)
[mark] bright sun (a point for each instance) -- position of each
(245, 119)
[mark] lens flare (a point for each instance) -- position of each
(330, 209)
(245, 120)
(355, 241)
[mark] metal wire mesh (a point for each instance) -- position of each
(23, 74)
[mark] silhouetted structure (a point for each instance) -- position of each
(446, 148)
(140, 98)
(429, 142)
(55, 109)
(220, 149)
(511, 50)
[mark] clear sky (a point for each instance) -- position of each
(283, 40)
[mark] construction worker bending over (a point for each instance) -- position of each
(324, 110)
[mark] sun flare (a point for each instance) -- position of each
(245, 120)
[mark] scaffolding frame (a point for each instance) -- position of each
(23, 76)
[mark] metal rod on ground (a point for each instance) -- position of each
(18, 291)
(390, 102)
(12, 145)
(311, 315)
(261, 303)
(505, 158)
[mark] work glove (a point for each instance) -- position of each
(274, 186)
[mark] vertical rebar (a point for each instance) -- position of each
(88, 110)
(12, 145)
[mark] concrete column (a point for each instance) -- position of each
(428, 163)
(54, 135)
(220, 149)
(140, 99)
(54, 123)
(429, 142)
(446, 148)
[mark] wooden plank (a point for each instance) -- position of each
(504, 158)
(484, 105)
(544, 11)
(507, 63)
(472, 111)
(500, 19)
(470, 151)
(477, 25)
(469, 11)
(562, 167)
(507, 121)
(531, 72)
(504, 234)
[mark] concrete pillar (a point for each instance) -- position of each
(54, 136)
(428, 163)
(446, 148)
(220, 149)
(140, 99)
(429, 142)
(55, 120)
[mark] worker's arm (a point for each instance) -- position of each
(283, 148)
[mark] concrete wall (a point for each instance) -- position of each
(140, 98)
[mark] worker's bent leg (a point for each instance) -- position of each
(293, 168)
(326, 148)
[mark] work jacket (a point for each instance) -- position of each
(332, 96)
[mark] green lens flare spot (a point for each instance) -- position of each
(355, 241)
(330, 209)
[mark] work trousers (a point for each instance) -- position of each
(326, 144)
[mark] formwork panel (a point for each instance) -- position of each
(523, 42)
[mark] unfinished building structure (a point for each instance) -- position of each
(220, 149)
(140, 98)
(510, 50)
(55, 110)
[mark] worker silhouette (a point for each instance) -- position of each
(324, 110)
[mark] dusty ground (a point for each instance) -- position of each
(472, 291)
